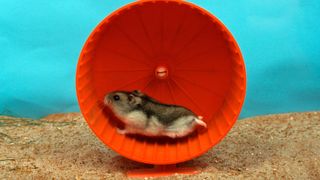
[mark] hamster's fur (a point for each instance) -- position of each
(144, 115)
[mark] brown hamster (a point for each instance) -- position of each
(144, 115)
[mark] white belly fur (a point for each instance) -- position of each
(136, 119)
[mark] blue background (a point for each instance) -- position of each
(40, 41)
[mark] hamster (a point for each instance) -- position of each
(146, 116)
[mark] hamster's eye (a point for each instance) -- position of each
(116, 97)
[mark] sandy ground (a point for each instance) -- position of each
(63, 147)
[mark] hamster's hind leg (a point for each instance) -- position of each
(179, 131)
(180, 127)
(183, 131)
(200, 122)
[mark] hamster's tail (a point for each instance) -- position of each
(200, 122)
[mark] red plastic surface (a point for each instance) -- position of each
(175, 52)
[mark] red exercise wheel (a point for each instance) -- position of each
(174, 51)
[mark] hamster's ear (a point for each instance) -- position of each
(137, 93)
(130, 98)
(134, 100)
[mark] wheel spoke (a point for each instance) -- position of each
(188, 95)
(124, 55)
(183, 19)
(198, 85)
(145, 30)
(147, 85)
(121, 70)
(133, 41)
(196, 70)
(132, 82)
(194, 37)
(171, 92)
(161, 30)
(196, 55)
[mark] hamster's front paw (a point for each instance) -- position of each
(121, 131)
(137, 93)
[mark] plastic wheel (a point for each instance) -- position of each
(177, 53)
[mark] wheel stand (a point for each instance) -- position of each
(162, 170)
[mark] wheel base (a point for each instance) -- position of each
(162, 170)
